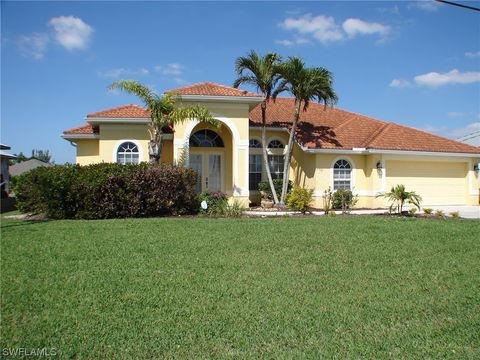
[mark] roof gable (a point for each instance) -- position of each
(211, 89)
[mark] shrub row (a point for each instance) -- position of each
(106, 191)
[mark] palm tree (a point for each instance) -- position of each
(398, 196)
(305, 84)
(164, 112)
(262, 73)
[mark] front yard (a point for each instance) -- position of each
(345, 287)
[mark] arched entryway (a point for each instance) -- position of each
(210, 152)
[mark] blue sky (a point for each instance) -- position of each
(415, 63)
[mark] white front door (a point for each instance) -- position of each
(210, 171)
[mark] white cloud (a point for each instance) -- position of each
(325, 29)
(34, 45)
(435, 79)
(123, 72)
(465, 130)
(400, 83)
(71, 32)
(354, 27)
(473, 55)
(425, 5)
(170, 69)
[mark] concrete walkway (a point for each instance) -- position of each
(469, 212)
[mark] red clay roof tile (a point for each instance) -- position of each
(125, 111)
(212, 89)
(84, 129)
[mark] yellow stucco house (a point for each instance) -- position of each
(333, 148)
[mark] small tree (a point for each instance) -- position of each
(398, 196)
(305, 84)
(165, 111)
(42, 155)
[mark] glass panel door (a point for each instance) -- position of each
(196, 164)
(214, 180)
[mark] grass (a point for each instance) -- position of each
(344, 287)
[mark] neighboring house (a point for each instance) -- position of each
(24, 166)
(471, 139)
(334, 148)
(4, 174)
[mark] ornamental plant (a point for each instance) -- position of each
(300, 199)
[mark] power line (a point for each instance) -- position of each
(459, 5)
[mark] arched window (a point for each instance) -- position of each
(127, 153)
(206, 138)
(342, 172)
(275, 144)
(254, 143)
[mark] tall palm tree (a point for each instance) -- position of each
(164, 112)
(263, 73)
(305, 84)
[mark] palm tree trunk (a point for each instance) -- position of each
(288, 155)
(155, 148)
(264, 151)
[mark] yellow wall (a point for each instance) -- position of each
(440, 179)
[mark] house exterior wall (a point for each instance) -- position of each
(441, 180)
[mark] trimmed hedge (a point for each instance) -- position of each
(106, 191)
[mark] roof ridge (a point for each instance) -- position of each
(376, 134)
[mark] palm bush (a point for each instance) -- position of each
(398, 196)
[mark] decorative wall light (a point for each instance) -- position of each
(476, 168)
(379, 166)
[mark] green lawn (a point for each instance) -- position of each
(344, 287)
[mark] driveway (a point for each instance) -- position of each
(469, 212)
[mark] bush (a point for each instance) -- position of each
(264, 187)
(300, 199)
(427, 211)
(217, 205)
(455, 214)
(412, 211)
(327, 201)
(106, 190)
(344, 199)
(439, 213)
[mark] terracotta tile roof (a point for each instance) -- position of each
(83, 130)
(125, 111)
(332, 128)
(212, 89)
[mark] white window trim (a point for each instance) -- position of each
(352, 174)
(120, 142)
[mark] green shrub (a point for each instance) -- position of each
(344, 199)
(235, 209)
(439, 213)
(264, 187)
(412, 211)
(106, 190)
(455, 214)
(216, 203)
(327, 201)
(427, 211)
(300, 199)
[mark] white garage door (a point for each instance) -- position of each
(439, 183)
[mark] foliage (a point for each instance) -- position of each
(439, 213)
(344, 199)
(346, 287)
(42, 155)
(264, 188)
(165, 111)
(455, 214)
(106, 190)
(428, 211)
(412, 211)
(305, 84)
(262, 72)
(300, 199)
(398, 196)
(327, 201)
(216, 202)
(218, 206)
